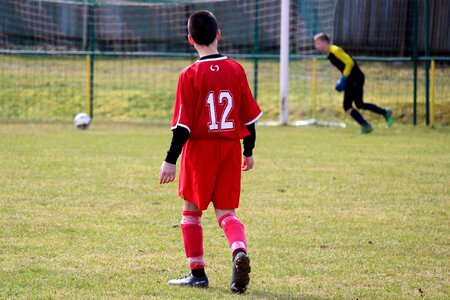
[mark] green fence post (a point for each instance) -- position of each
(91, 85)
(256, 51)
(91, 55)
(414, 57)
(427, 62)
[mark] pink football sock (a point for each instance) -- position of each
(234, 231)
(193, 238)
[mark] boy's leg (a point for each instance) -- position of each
(358, 95)
(358, 117)
(233, 228)
(193, 245)
(355, 92)
(235, 232)
(348, 108)
(371, 107)
(385, 112)
(192, 231)
(225, 200)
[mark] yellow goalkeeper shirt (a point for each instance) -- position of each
(345, 63)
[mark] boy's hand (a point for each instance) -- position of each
(167, 172)
(247, 164)
(340, 84)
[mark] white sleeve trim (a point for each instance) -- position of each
(178, 121)
(255, 119)
(181, 125)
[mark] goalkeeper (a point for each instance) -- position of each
(351, 82)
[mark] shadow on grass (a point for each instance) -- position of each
(261, 294)
(216, 292)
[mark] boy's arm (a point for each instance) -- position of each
(249, 144)
(347, 61)
(249, 141)
(168, 168)
(344, 57)
(249, 114)
(180, 135)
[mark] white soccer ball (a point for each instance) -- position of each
(82, 121)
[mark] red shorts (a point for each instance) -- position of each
(210, 171)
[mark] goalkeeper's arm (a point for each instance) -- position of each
(344, 58)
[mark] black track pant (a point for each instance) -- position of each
(354, 92)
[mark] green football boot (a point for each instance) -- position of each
(388, 117)
(366, 129)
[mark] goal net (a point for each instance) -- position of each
(121, 59)
(138, 49)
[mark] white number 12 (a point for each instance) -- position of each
(225, 124)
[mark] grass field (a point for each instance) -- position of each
(329, 215)
(52, 88)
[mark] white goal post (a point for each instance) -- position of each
(284, 62)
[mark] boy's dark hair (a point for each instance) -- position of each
(202, 26)
(322, 36)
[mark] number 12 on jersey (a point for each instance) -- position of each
(225, 98)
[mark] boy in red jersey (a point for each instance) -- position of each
(214, 109)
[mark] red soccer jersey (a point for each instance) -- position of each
(213, 100)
